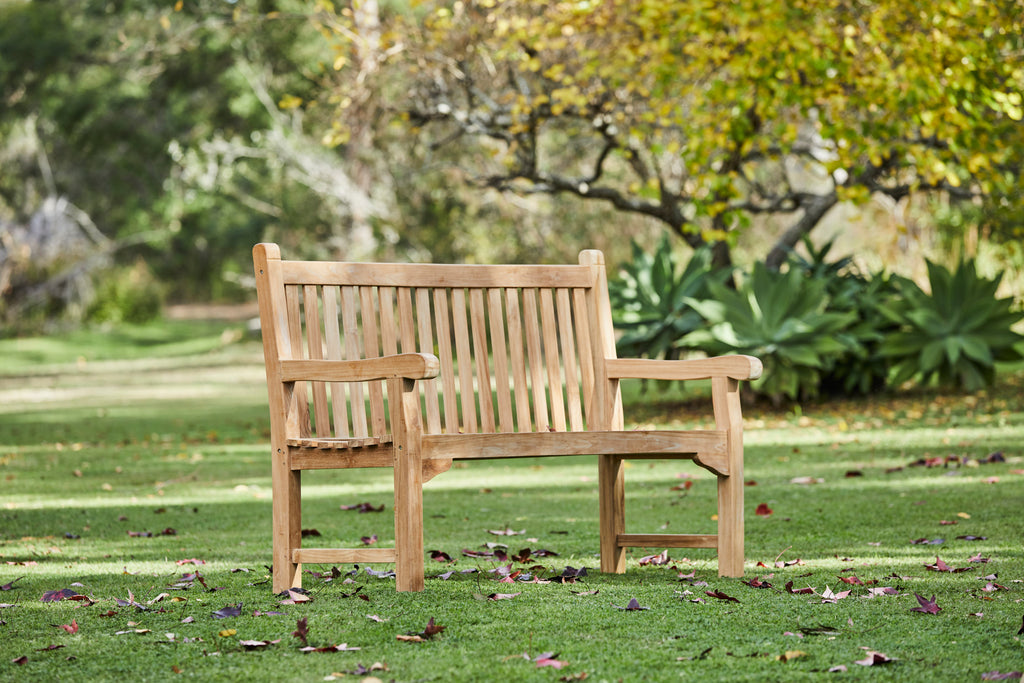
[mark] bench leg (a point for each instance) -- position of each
(287, 528)
(408, 521)
(726, 398)
(612, 499)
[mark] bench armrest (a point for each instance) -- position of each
(733, 367)
(404, 365)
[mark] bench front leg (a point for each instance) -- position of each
(612, 501)
(409, 492)
(726, 400)
(287, 523)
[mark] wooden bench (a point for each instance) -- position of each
(414, 366)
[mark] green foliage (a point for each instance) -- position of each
(649, 299)
(861, 369)
(127, 295)
(955, 334)
(780, 317)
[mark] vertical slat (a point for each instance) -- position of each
(408, 489)
(371, 347)
(499, 353)
(332, 337)
(535, 359)
(350, 320)
(550, 334)
(572, 383)
(389, 344)
(518, 358)
(464, 360)
(314, 336)
(444, 352)
(582, 320)
(423, 323)
(295, 339)
(478, 323)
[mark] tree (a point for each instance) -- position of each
(705, 114)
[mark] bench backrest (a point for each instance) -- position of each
(519, 346)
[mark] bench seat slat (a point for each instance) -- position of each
(668, 540)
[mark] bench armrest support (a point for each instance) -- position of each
(734, 367)
(402, 365)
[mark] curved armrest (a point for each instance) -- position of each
(733, 367)
(405, 365)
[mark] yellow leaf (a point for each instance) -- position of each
(165, 23)
(792, 654)
(963, 515)
(178, 5)
(290, 102)
(227, 633)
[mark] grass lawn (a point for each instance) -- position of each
(135, 538)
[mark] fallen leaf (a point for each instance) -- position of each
(57, 595)
(928, 541)
(874, 659)
(632, 606)
(549, 660)
(506, 532)
(997, 676)
(978, 558)
(758, 583)
(972, 538)
(191, 560)
(9, 586)
(828, 596)
(655, 560)
(363, 507)
(256, 644)
(430, 631)
(227, 633)
(228, 611)
(721, 596)
(301, 630)
(439, 556)
(329, 648)
(70, 628)
(503, 596)
(941, 566)
(378, 619)
(790, 655)
(807, 480)
(927, 606)
(798, 591)
(20, 661)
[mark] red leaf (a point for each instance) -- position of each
(301, 630)
(549, 661)
(927, 606)
(70, 628)
(758, 583)
(941, 566)
(54, 596)
(9, 586)
(439, 556)
(798, 591)
(20, 660)
(189, 561)
(763, 510)
(997, 676)
(721, 596)
(852, 580)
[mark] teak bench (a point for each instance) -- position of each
(414, 366)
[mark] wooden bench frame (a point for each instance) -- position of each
(391, 377)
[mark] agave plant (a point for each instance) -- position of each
(649, 299)
(862, 369)
(956, 334)
(781, 318)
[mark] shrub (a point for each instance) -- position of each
(781, 318)
(956, 334)
(649, 299)
(127, 295)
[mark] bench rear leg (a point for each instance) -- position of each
(612, 500)
(287, 527)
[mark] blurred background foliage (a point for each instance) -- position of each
(144, 147)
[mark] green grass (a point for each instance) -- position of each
(164, 427)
